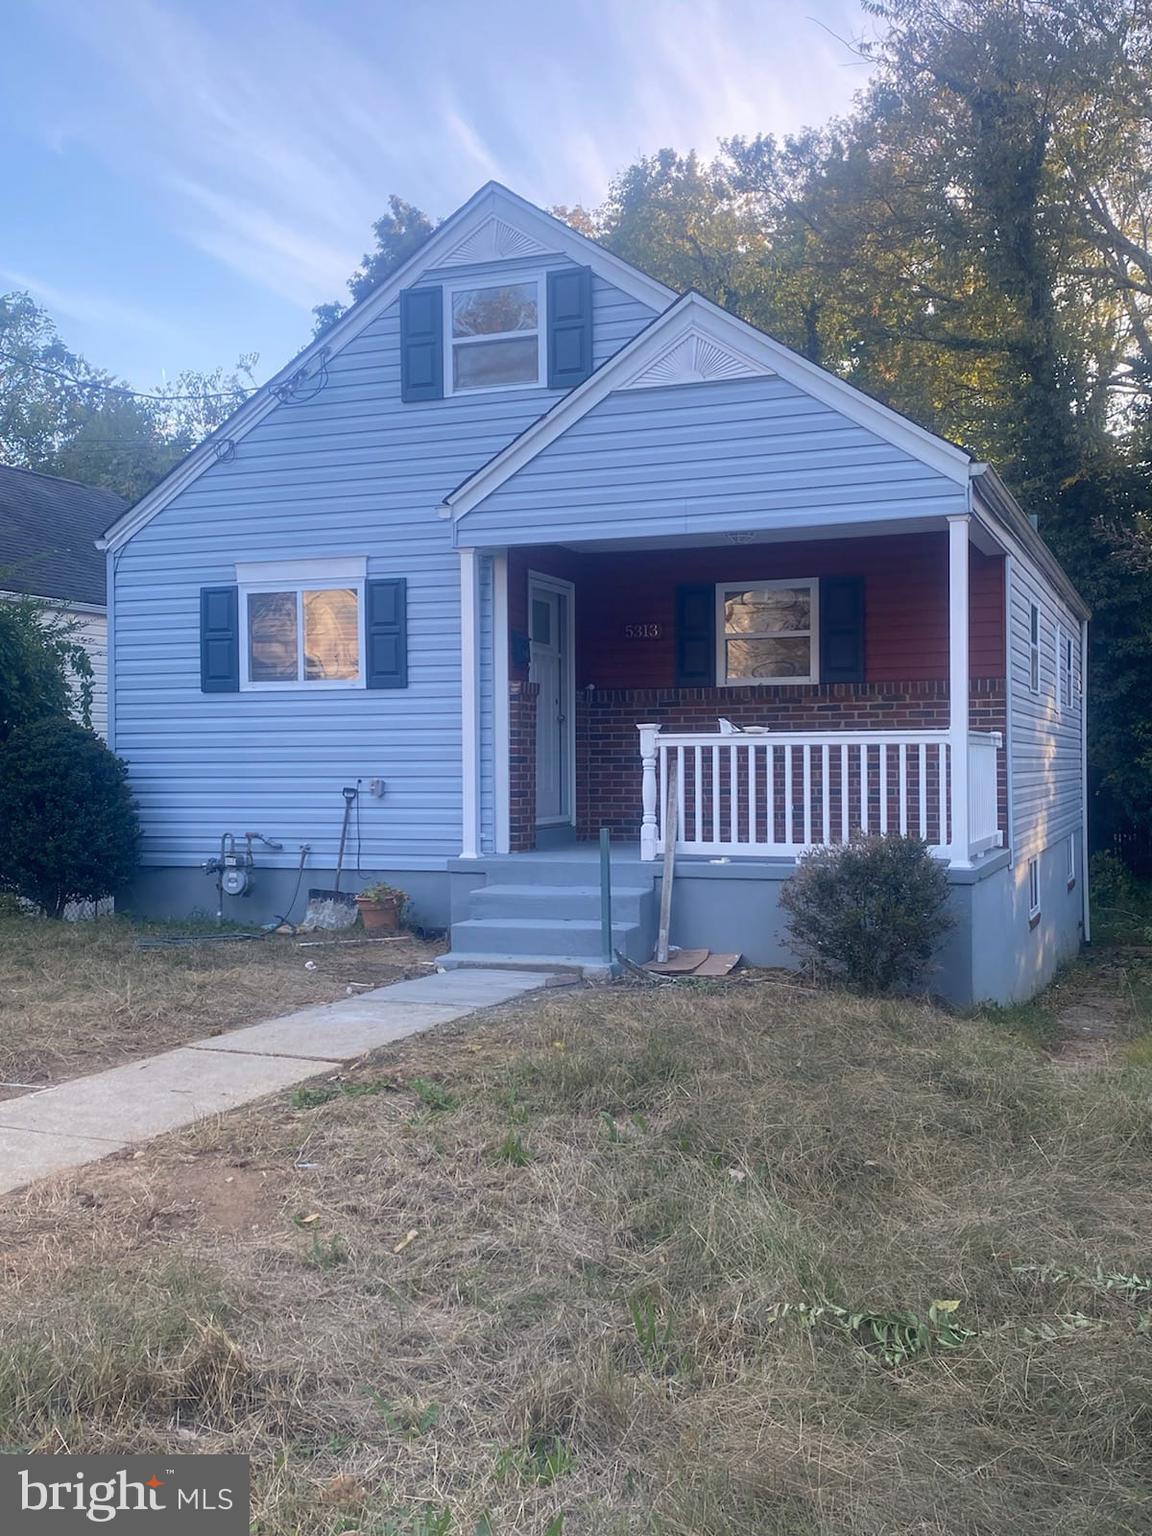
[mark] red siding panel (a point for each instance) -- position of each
(906, 600)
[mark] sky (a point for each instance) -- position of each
(184, 179)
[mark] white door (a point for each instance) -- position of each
(549, 619)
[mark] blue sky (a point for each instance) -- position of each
(184, 179)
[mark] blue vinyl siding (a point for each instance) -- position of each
(707, 458)
(351, 471)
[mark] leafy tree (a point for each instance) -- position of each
(399, 234)
(44, 670)
(68, 825)
(60, 415)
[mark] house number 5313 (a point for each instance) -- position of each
(643, 631)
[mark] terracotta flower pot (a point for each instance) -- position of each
(380, 914)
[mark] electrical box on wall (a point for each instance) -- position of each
(376, 788)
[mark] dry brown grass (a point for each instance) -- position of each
(75, 997)
(612, 1193)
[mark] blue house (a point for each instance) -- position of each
(527, 545)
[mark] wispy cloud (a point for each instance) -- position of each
(89, 308)
(272, 133)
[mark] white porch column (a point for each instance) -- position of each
(958, 706)
(470, 701)
(500, 720)
(650, 791)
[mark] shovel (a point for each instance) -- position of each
(334, 908)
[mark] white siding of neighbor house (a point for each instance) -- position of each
(350, 470)
(92, 633)
(1047, 788)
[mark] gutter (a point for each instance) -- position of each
(1007, 511)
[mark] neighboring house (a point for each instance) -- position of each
(502, 550)
(48, 533)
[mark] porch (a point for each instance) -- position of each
(607, 697)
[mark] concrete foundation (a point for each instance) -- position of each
(993, 953)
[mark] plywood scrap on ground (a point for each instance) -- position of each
(694, 962)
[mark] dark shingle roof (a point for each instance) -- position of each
(48, 529)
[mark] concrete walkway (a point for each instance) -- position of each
(64, 1127)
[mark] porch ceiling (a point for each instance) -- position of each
(980, 536)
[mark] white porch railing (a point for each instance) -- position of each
(776, 795)
(984, 791)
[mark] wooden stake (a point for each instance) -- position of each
(671, 831)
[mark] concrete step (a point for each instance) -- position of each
(579, 937)
(559, 965)
(539, 869)
(558, 901)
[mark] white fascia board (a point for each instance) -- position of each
(996, 507)
(61, 604)
(695, 314)
(492, 199)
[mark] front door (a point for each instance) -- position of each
(550, 629)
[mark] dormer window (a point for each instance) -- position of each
(495, 336)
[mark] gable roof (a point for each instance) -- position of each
(48, 532)
(494, 222)
(694, 340)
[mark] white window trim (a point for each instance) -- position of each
(1033, 890)
(722, 679)
(1035, 653)
(1068, 670)
(450, 342)
(1071, 860)
(300, 576)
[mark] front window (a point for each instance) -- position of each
(767, 632)
(302, 630)
(495, 336)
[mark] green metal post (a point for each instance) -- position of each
(606, 894)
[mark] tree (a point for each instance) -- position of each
(399, 234)
(44, 670)
(68, 825)
(60, 415)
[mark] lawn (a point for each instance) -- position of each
(697, 1261)
(75, 997)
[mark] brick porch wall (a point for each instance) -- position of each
(607, 742)
(522, 765)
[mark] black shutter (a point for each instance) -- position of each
(569, 326)
(386, 633)
(695, 637)
(842, 629)
(422, 344)
(219, 640)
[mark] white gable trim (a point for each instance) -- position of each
(494, 217)
(691, 319)
(695, 358)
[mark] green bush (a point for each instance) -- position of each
(68, 828)
(869, 913)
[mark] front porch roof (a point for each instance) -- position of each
(703, 429)
(694, 341)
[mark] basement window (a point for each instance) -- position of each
(1033, 892)
(301, 624)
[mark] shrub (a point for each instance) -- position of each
(44, 670)
(68, 828)
(868, 913)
